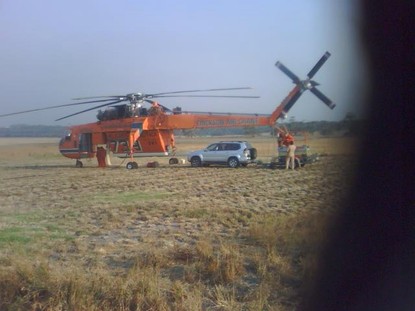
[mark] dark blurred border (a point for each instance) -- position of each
(369, 262)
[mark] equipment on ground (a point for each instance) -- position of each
(303, 156)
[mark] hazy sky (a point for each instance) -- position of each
(52, 51)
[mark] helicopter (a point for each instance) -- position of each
(131, 130)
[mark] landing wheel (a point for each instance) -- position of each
(79, 164)
(174, 161)
(131, 165)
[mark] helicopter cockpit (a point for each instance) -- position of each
(121, 112)
(66, 137)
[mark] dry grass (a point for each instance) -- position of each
(166, 238)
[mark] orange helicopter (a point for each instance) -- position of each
(131, 130)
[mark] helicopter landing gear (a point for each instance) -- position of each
(173, 161)
(131, 165)
(79, 164)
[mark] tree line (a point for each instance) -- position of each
(349, 126)
(23, 130)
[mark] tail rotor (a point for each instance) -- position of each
(303, 85)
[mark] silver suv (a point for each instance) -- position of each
(232, 153)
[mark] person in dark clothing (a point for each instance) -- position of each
(101, 154)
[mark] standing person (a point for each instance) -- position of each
(290, 155)
(101, 154)
(288, 139)
(280, 139)
(104, 156)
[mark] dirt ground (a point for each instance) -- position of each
(105, 217)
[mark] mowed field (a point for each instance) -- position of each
(164, 238)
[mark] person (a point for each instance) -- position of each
(284, 137)
(280, 139)
(288, 139)
(290, 155)
(101, 154)
(155, 109)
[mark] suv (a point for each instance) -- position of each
(232, 153)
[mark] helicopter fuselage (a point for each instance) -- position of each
(151, 135)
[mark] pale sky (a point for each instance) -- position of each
(52, 51)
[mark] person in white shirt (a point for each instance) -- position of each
(290, 156)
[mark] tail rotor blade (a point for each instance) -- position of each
(317, 66)
(285, 70)
(76, 113)
(291, 102)
(323, 97)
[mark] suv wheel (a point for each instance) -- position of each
(233, 162)
(195, 162)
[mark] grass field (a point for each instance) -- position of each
(165, 238)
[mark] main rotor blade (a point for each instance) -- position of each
(227, 113)
(219, 96)
(207, 90)
(31, 110)
(113, 97)
(285, 70)
(51, 107)
(97, 101)
(92, 97)
(318, 65)
(323, 97)
(76, 113)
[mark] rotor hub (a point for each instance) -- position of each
(307, 84)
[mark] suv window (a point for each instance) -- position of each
(212, 147)
(232, 147)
